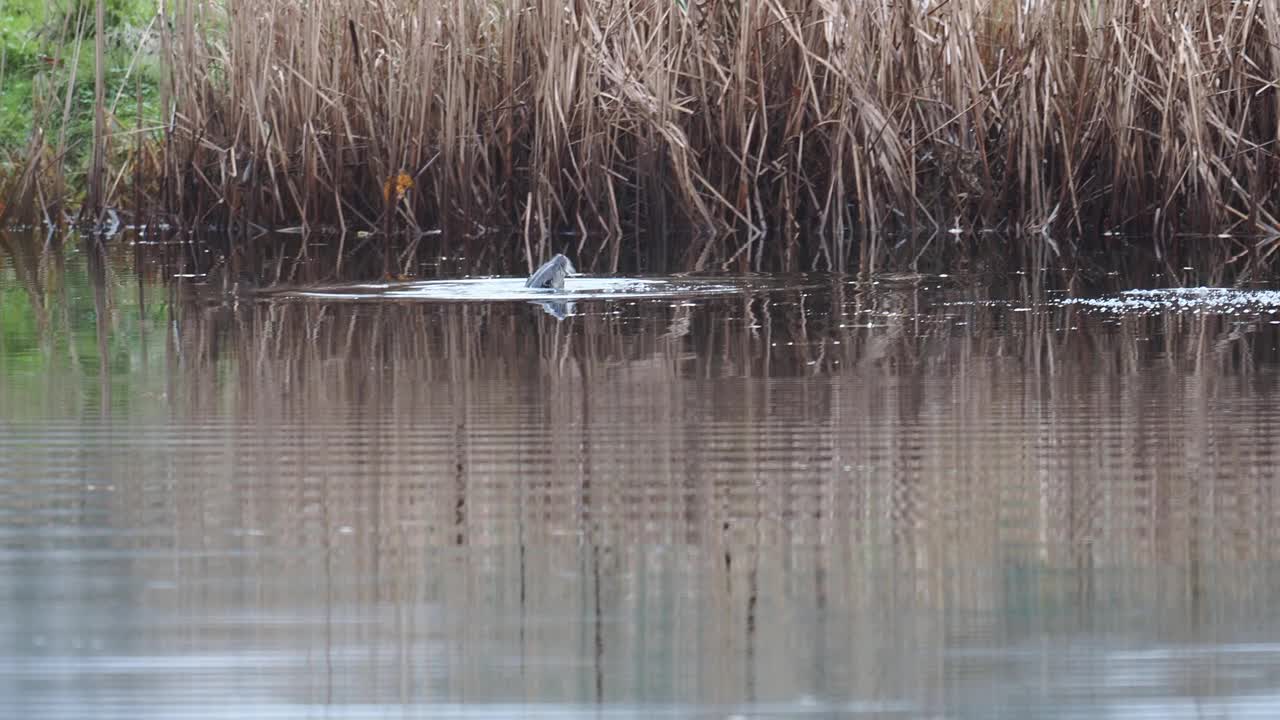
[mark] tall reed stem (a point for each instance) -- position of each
(98, 165)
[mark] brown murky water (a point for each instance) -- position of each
(924, 497)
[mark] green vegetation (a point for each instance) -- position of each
(47, 46)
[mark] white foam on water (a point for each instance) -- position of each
(500, 289)
(1194, 300)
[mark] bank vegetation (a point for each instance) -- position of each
(752, 134)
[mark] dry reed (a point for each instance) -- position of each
(758, 134)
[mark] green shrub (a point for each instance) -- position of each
(38, 40)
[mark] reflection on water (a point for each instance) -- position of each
(907, 499)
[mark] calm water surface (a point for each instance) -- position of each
(926, 497)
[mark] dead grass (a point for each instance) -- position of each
(754, 134)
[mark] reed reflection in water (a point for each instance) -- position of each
(901, 500)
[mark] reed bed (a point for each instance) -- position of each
(756, 134)
(701, 135)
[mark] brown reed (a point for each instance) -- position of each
(777, 134)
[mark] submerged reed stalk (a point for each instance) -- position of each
(781, 133)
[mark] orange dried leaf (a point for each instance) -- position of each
(399, 184)
(403, 184)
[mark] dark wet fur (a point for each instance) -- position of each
(551, 274)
